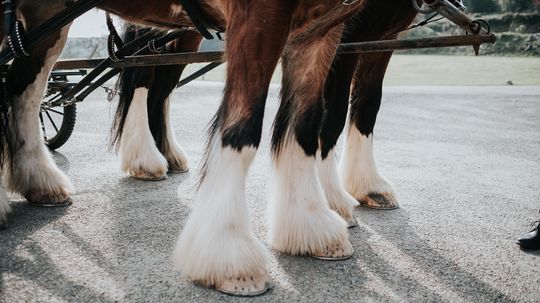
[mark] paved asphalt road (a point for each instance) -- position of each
(465, 162)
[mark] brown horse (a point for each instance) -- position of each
(216, 246)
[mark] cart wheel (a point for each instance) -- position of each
(57, 124)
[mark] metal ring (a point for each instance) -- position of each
(420, 9)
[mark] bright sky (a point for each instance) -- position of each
(91, 24)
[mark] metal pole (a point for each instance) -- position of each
(348, 48)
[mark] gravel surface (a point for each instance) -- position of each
(465, 162)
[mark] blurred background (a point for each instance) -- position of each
(513, 60)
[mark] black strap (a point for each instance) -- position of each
(114, 40)
(48, 27)
(195, 13)
(205, 69)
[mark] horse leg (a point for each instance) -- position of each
(336, 96)
(31, 171)
(217, 246)
(301, 221)
(4, 207)
(358, 169)
(139, 155)
(165, 81)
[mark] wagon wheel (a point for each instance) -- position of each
(57, 124)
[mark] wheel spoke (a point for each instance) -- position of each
(55, 111)
(52, 121)
(42, 125)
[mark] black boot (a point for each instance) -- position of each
(531, 240)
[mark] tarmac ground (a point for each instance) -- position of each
(465, 162)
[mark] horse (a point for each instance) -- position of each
(310, 209)
(142, 131)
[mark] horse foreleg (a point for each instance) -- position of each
(301, 221)
(31, 170)
(358, 169)
(217, 246)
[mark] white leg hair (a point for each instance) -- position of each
(301, 221)
(216, 246)
(33, 172)
(139, 155)
(4, 206)
(173, 152)
(340, 200)
(359, 172)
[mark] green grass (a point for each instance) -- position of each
(443, 70)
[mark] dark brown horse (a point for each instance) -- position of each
(216, 246)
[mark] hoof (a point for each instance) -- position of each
(44, 199)
(245, 285)
(352, 222)
(177, 168)
(147, 176)
(336, 251)
(380, 201)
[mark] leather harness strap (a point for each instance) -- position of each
(195, 13)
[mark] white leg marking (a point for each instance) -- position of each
(359, 173)
(340, 200)
(33, 172)
(301, 221)
(4, 206)
(139, 155)
(216, 246)
(173, 152)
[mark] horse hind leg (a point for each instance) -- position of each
(139, 155)
(216, 246)
(31, 171)
(166, 79)
(301, 221)
(336, 94)
(358, 168)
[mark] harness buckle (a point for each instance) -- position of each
(349, 2)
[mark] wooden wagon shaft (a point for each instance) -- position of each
(347, 48)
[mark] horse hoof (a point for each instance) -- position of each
(177, 171)
(177, 168)
(44, 199)
(246, 285)
(380, 201)
(336, 251)
(352, 222)
(147, 176)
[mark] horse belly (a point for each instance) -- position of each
(160, 13)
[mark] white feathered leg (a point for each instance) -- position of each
(173, 152)
(4, 206)
(360, 176)
(301, 221)
(33, 173)
(216, 246)
(139, 155)
(340, 200)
